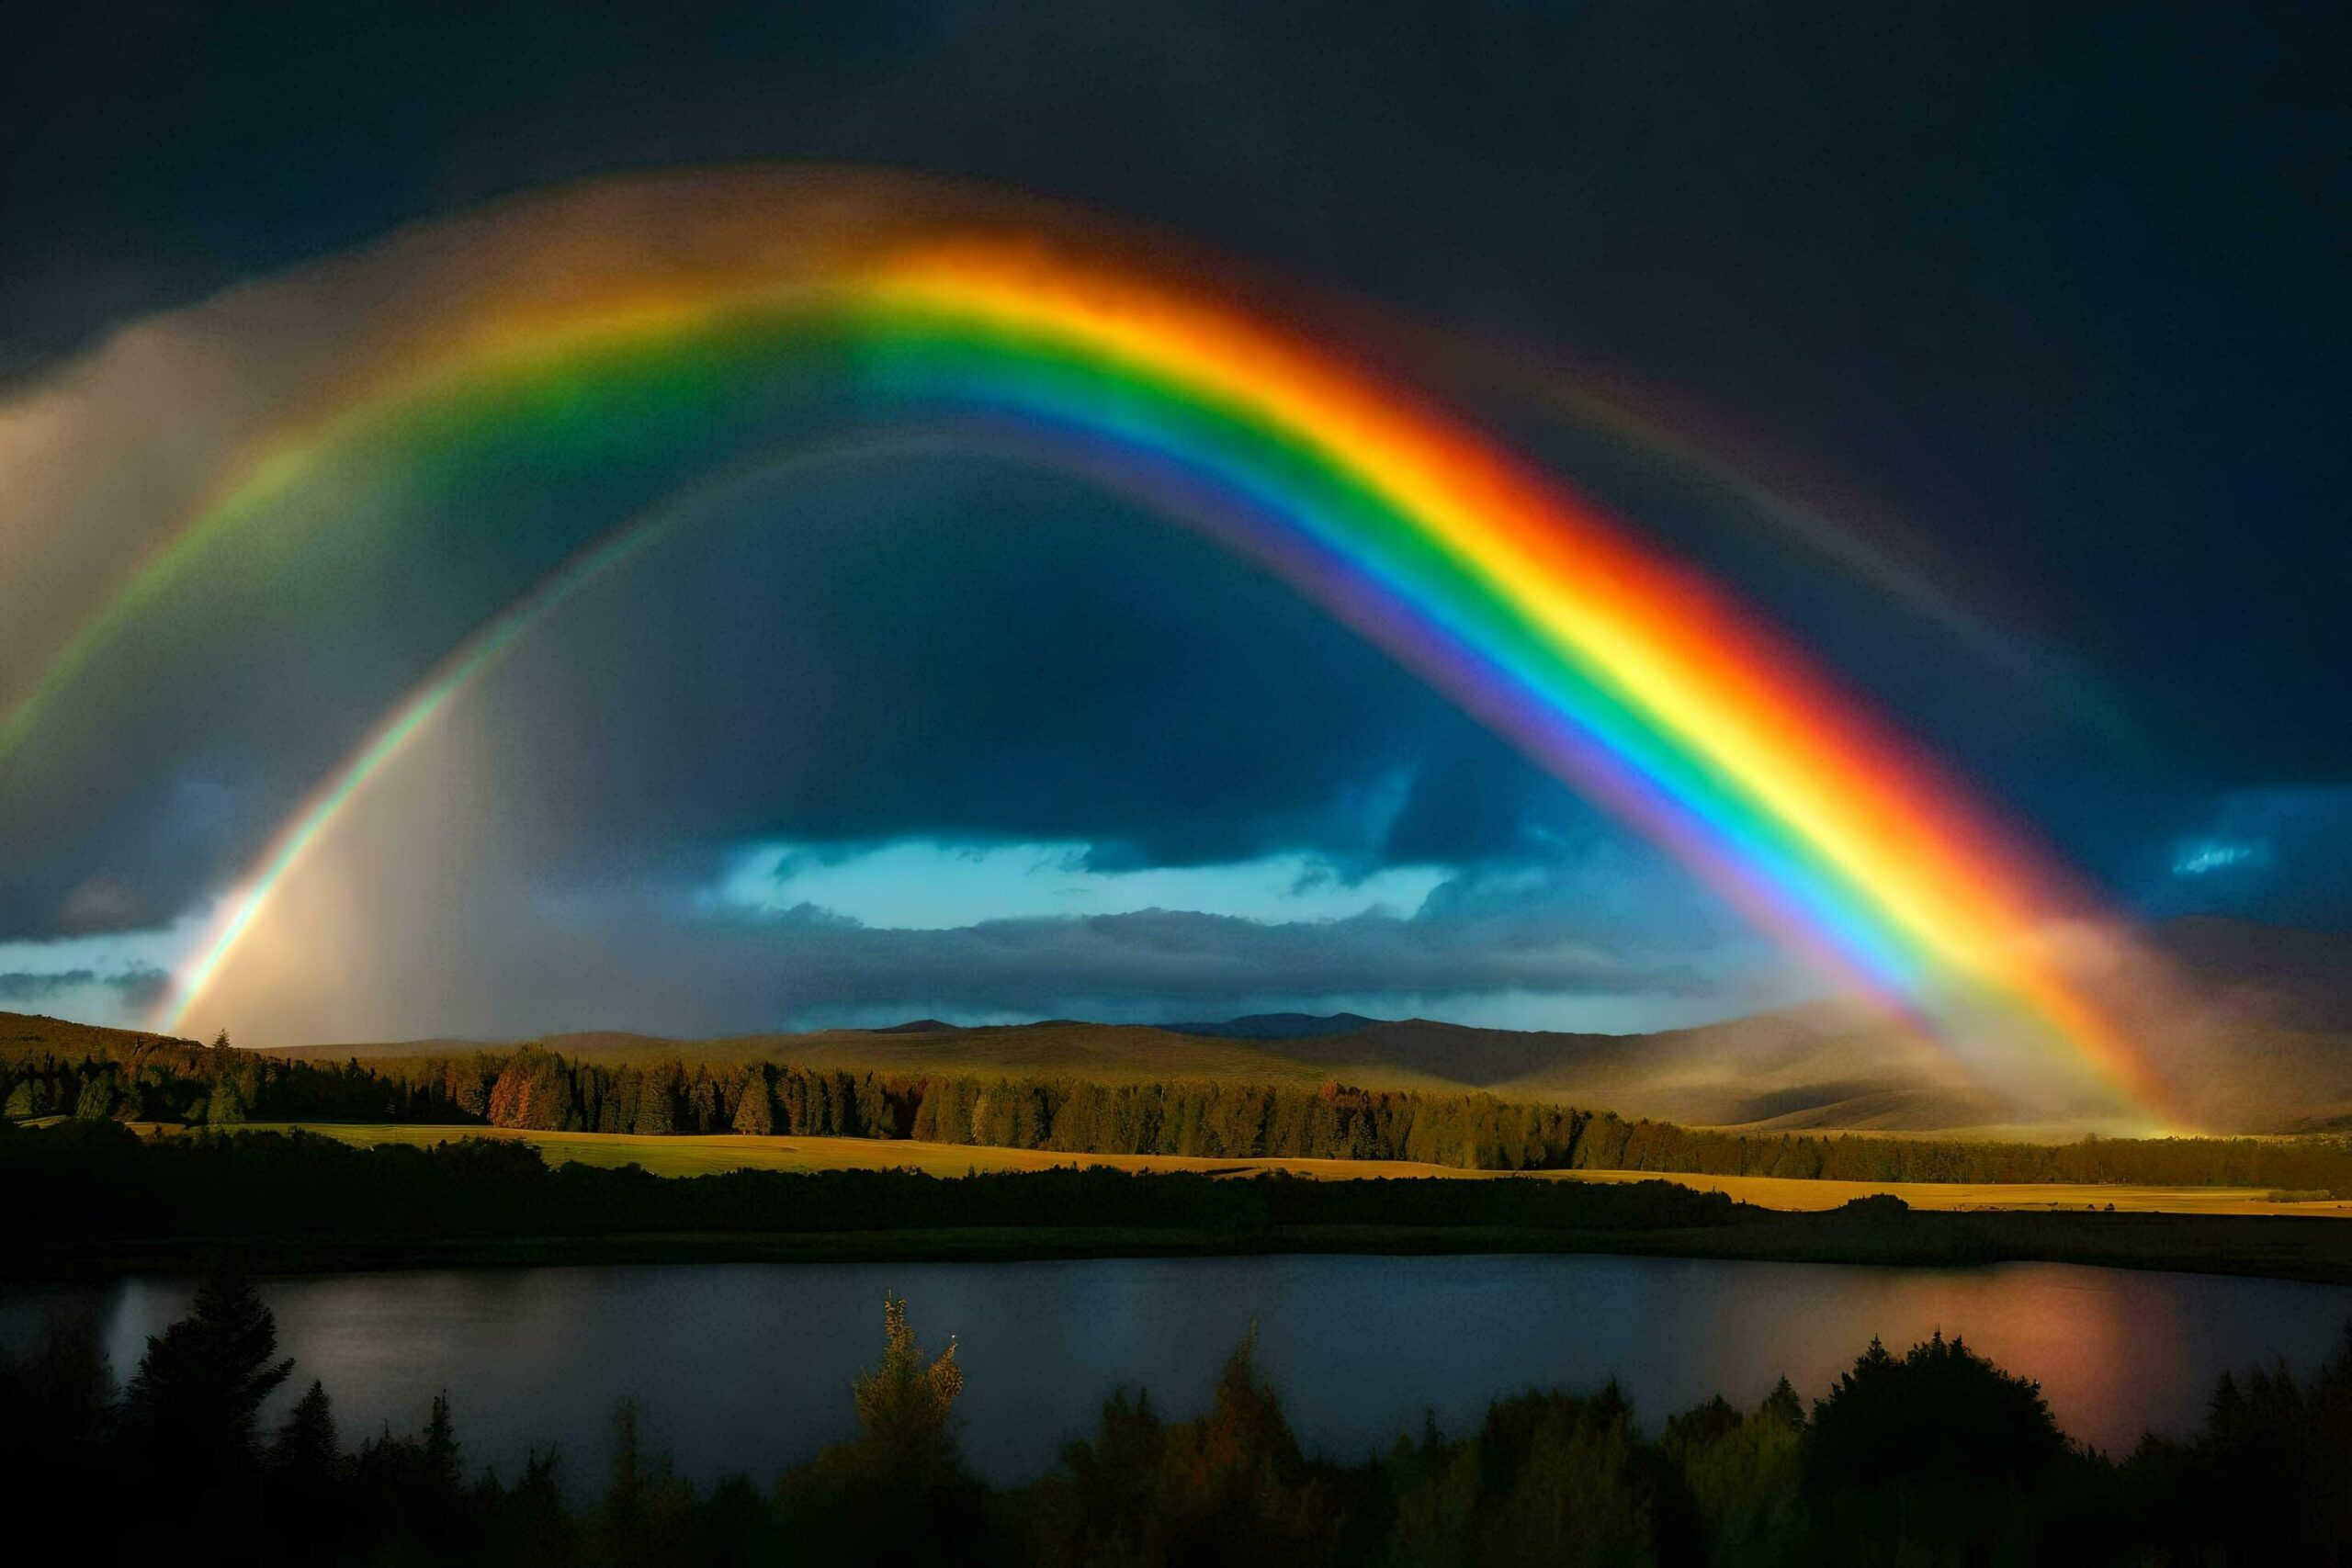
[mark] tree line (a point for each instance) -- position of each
(534, 1089)
(89, 1188)
(97, 1196)
(164, 1079)
(1934, 1455)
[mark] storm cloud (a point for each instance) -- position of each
(2103, 436)
(130, 990)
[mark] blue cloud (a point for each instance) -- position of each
(924, 883)
(2282, 855)
(119, 996)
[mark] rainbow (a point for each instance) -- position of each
(1628, 674)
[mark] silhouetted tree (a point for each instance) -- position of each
(1938, 1452)
(189, 1411)
(308, 1478)
(1940, 1411)
(646, 1519)
(2269, 1477)
(1230, 1487)
(440, 1445)
(56, 1416)
(307, 1453)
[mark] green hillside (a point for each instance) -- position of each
(41, 1033)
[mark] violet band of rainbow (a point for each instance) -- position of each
(1623, 671)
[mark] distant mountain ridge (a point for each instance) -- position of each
(2272, 1053)
(1822, 1065)
(1277, 1026)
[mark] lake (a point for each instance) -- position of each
(746, 1367)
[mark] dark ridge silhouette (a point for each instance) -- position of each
(1278, 1026)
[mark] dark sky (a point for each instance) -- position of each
(2046, 304)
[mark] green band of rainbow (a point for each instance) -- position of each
(1628, 674)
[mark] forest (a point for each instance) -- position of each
(1932, 1455)
(93, 1197)
(87, 1185)
(176, 1082)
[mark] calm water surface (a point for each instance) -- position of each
(746, 1367)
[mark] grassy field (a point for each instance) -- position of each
(699, 1155)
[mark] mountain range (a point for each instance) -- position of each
(2272, 1053)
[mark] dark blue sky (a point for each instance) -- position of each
(2045, 305)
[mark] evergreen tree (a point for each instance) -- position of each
(702, 1102)
(202, 1380)
(654, 1115)
(307, 1453)
(440, 1452)
(753, 1113)
(250, 1083)
(647, 1514)
(1941, 1412)
(870, 1108)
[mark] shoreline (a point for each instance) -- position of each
(685, 1155)
(2309, 1250)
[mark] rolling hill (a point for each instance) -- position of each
(62, 1036)
(2268, 1049)
(1823, 1065)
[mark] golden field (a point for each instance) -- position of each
(697, 1155)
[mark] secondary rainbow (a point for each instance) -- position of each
(1628, 674)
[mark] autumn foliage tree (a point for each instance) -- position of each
(902, 1467)
(904, 1403)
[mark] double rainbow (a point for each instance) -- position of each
(1624, 672)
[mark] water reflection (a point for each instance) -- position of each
(747, 1366)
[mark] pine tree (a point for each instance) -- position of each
(440, 1452)
(250, 1083)
(754, 1114)
(870, 1104)
(202, 1380)
(653, 1115)
(1782, 1406)
(702, 1102)
(308, 1453)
